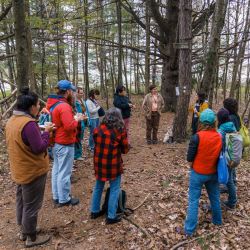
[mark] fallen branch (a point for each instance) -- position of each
(141, 202)
(144, 231)
(190, 241)
(9, 109)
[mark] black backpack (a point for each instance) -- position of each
(121, 208)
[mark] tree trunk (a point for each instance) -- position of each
(212, 54)
(119, 21)
(147, 54)
(21, 44)
(185, 75)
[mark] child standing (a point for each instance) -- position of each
(110, 142)
(203, 152)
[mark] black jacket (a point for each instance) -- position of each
(122, 103)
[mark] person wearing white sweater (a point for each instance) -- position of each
(93, 107)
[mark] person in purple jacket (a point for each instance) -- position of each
(29, 164)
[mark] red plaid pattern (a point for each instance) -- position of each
(110, 144)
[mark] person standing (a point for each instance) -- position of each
(203, 153)
(80, 109)
(153, 104)
(65, 138)
(225, 125)
(200, 105)
(110, 143)
(29, 164)
(93, 107)
(122, 102)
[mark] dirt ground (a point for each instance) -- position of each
(158, 172)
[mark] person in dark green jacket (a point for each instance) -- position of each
(122, 102)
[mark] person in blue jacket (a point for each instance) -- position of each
(80, 109)
(225, 125)
(122, 102)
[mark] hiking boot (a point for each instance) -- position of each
(113, 221)
(40, 240)
(154, 142)
(72, 202)
(96, 215)
(55, 201)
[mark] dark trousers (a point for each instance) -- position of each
(152, 125)
(29, 199)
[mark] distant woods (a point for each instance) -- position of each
(135, 43)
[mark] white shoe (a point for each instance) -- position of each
(80, 159)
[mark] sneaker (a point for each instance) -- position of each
(21, 236)
(80, 159)
(228, 206)
(72, 202)
(96, 215)
(40, 240)
(113, 221)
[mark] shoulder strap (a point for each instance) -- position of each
(54, 105)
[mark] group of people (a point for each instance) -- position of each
(70, 115)
(204, 150)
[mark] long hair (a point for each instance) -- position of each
(113, 119)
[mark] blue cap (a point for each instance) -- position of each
(207, 116)
(66, 85)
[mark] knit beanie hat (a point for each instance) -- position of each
(207, 116)
(223, 116)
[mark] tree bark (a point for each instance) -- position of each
(21, 44)
(212, 54)
(185, 75)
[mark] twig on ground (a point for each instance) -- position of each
(141, 202)
(189, 241)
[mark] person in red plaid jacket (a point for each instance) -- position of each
(110, 143)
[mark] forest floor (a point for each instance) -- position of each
(158, 172)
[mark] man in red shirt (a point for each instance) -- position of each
(60, 106)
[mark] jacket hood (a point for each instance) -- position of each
(52, 99)
(227, 127)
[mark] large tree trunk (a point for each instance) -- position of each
(170, 62)
(21, 44)
(147, 54)
(119, 21)
(185, 64)
(212, 54)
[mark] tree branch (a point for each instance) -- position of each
(5, 11)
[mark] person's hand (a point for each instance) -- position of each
(84, 117)
(130, 105)
(49, 127)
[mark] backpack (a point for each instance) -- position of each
(45, 115)
(245, 135)
(222, 169)
(121, 208)
(234, 147)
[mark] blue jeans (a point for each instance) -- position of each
(113, 198)
(61, 172)
(196, 182)
(94, 123)
(232, 197)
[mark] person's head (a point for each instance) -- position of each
(94, 94)
(113, 119)
(223, 116)
(207, 119)
(120, 90)
(231, 105)
(80, 93)
(153, 89)
(201, 96)
(65, 88)
(28, 102)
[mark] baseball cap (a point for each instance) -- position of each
(65, 85)
(207, 116)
